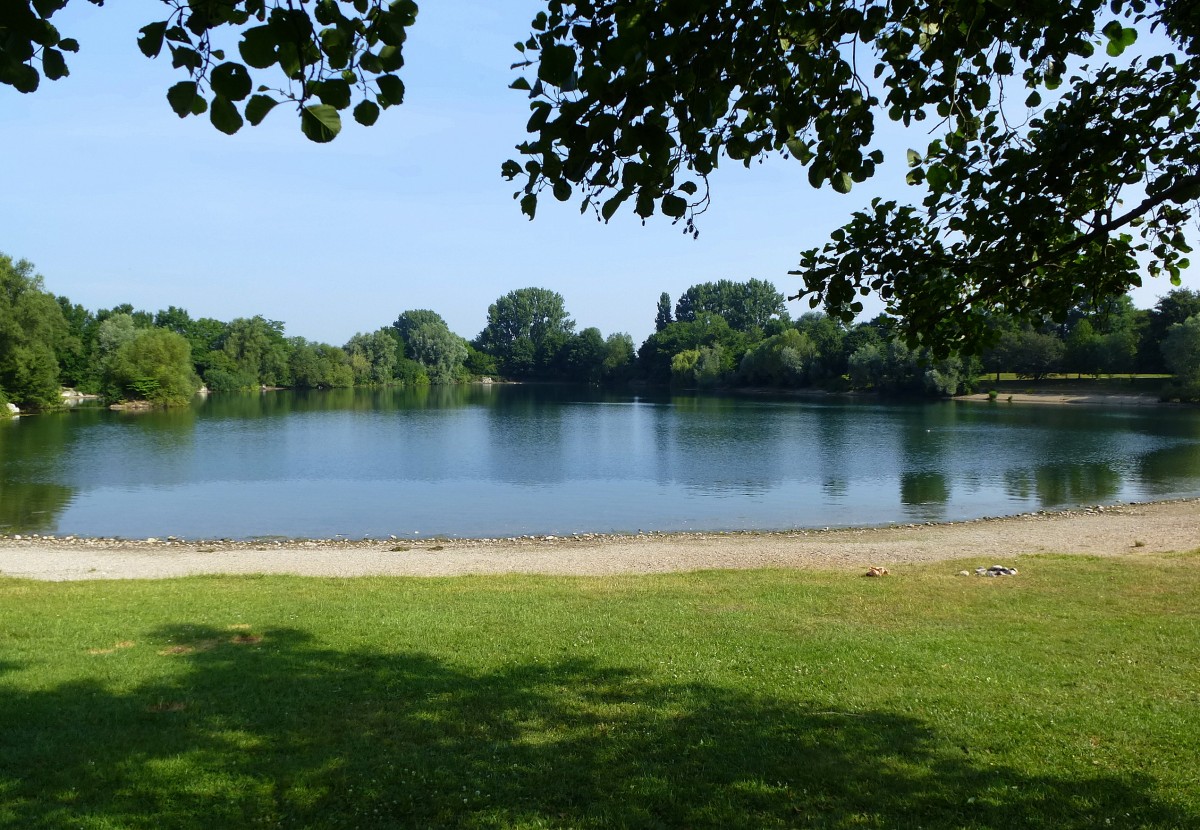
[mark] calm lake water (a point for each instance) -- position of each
(509, 460)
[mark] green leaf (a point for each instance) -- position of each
(938, 177)
(25, 78)
(520, 83)
(53, 64)
(674, 206)
(257, 47)
(334, 92)
(231, 80)
(224, 115)
(391, 90)
(562, 190)
(150, 39)
(842, 182)
(336, 45)
(366, 113)
(368, 62)
(177, 34)
(183, 57)
(181, 96)
(391, 58)
(529, 205)
(320, 123)
(644, 204)
(257, 108)
(289, 60)
(69, 44)
(557, 64)
(914, 158)
(610, 207)
(1034, 99)
(46, 8)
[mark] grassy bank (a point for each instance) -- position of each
(1065, 697)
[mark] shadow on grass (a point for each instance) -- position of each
(278, 730)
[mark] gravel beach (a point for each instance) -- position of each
(1116, 530)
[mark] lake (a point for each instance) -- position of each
(485, 461)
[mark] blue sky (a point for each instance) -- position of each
(115, 199)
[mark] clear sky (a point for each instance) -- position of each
(117, 200)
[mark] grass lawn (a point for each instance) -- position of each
(1065, 697)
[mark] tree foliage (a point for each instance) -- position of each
(1026, 209)
(662, 317)
(154, 365)
(526, 330)
(32, 331)
(743, 305)
(440, 351)
(1058, 170)
(1181, 350)
(323, 60)
(372, 357)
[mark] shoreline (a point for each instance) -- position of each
(1067, 399)
(1127, 529)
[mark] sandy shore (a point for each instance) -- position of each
(1119, 530)
(1084, 399)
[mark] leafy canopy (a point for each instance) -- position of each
(1036, 196)
(323, 57)
(1028, 207)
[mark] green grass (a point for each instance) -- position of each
(1065, 697)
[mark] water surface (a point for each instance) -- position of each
(509, 460)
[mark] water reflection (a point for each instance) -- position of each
(1057, 486)
(926, 441)
(1170, 470)
(33, 451)
(500, 460)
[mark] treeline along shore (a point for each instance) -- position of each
(721, 334)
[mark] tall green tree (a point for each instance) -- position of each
(318, 365)
(440, 351)
(1181, 350)
(663, 317)
(374, 355)
(787, 359)
(1027, 352)
(1176, 306)
(708, 330)
(619, 358)
(414, 318)
(74, 355)
(744, 305)
(154, 365)
(526, 331)
(585, 354)
(32, 332)
(257, 351)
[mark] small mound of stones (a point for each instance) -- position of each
(996, 570)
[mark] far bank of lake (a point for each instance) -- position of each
(486, 461)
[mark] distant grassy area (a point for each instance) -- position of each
(1065, 697)
(1072, 385)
